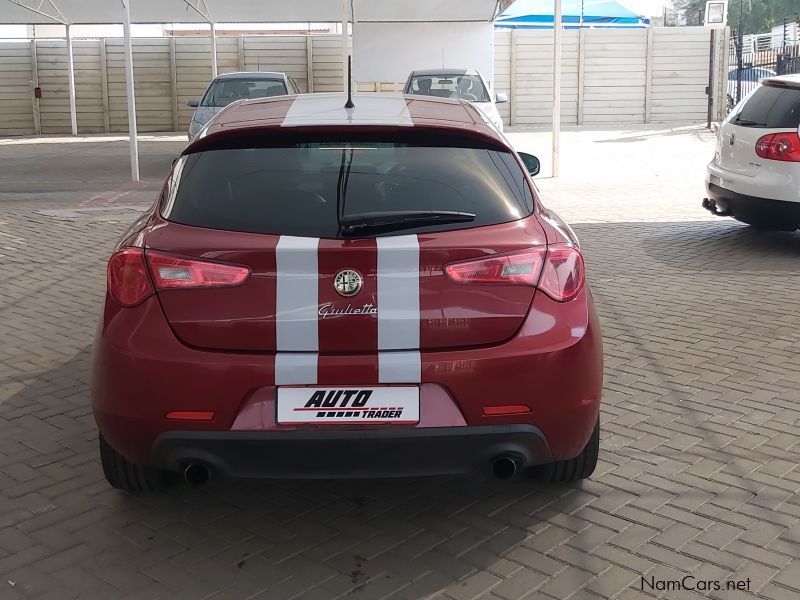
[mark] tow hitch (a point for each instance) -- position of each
(711, 206)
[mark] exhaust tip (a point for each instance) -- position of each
(504, 467)
(196, 474)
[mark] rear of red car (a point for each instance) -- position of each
(347, 301)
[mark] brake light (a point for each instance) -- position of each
(558, 270)
(784, 146)
(520, 268)
(128, 282)
(175, 272)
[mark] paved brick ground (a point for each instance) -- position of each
(699, 465)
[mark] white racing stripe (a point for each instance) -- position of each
(296, 306)
(328, 109)
(398, 309)
(296, 368)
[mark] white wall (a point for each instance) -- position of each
(631, 76)
(388, 52)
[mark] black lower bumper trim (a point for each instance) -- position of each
(350, 454)
(777, 214)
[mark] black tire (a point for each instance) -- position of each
(127, 476)
(580, 467)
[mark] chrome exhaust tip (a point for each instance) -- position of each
(505, 467)
(196, 474)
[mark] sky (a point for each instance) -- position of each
(647, 8)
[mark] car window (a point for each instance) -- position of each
(292, 190)
(771, 107)
(224, 91)
(466, 87)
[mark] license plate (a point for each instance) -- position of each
(350, 405)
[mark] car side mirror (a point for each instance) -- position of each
(193, 103)
(531, 163)
(500, 98)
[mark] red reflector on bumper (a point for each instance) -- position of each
(510, 409)
(190, 415)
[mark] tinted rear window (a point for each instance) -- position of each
(771, 107)
(293, 190)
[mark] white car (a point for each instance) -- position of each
(755, 174)
(231, 87)
(466, 84)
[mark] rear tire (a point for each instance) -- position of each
(127, 476)
(580, 467)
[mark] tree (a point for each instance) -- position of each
(692, 11)
(760, 16)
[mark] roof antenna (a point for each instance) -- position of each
(349, 103)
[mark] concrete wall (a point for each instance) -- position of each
(621, 76)
(610, 76)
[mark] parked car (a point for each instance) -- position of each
(237, 86)
(330, 292)
(466, 84)
(750, 77)
(755, 174)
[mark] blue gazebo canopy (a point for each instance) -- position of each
(596, 13)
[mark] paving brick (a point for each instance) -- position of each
(698, 453)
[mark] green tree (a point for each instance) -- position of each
(759, 16)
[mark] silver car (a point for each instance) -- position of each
(467, 84)
(237, 86)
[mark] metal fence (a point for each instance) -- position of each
(750, 63)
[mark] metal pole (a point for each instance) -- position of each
(73, 112)
(556, 85)
(344, 45)
(739, 44)
(710, 89)
(213, 50)
(126, 28)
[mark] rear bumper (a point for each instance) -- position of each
(771, 182)
(141, 372)
(350, 454)
(750, 209)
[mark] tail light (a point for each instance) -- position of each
(175, 272)
(130, 284)
(563, 273)
(520, 268)
(783, 146)
(558, 270)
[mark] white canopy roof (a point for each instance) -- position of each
(94, 12)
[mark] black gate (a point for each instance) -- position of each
(751, 62)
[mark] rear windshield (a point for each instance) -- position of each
(294, 190)
(224, 91)
(771, 107)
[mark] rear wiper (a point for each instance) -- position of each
(748, 123)
(399, 219)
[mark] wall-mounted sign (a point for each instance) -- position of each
(716, 14)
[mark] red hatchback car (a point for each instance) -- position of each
(322, 291)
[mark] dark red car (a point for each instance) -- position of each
(330, 292)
